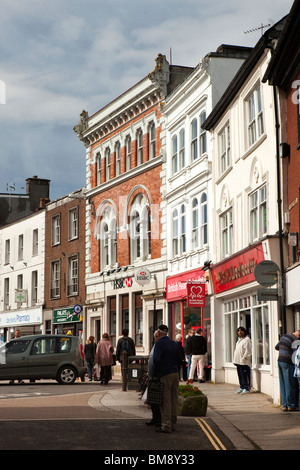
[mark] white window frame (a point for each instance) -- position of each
(254, 116)
(72, 288)
(34, 287)
(98, 168)
(258, 213)
(224, 149)
(107, 154)
(194, 139)
(174, 154)
(35, 242)
(55, 232)
(21, 247)
(226, 221)
(139, 144)
(73, 223)
(202, 134)
(128, 147)
(7, 251)
(152, 136)
(118, 158)
(140, 229)
(55, 279)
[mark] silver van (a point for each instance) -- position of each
(36, 357)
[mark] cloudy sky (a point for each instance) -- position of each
(59, 57)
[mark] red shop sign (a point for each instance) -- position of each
(195, 294)
(176, 285)
(238, 270)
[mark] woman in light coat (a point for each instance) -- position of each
(242, 360)
(104, 359)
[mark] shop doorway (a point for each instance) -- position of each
(155, 319)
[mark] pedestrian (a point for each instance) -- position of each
(166, 365)
(197, 347)
(183, 369)
(125, 344)
(297, 372)
(89, 353)
(17, 335)
(188, 356)
(104, 358)
(156, 415)
(287, 346)
(242, 360)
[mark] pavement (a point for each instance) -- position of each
(250, 421)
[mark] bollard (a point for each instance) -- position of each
(124, 370)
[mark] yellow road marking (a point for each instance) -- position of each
(211, 435)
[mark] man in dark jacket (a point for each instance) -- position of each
(125, 344)
(197, 347)
(166, 364)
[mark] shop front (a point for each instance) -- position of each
(235, 303)
(28, 321)
(68, 321)
(183, 315)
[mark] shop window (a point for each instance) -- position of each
(125, 312)
(138, 314)
(112, 319)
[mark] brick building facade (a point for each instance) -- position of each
(125, 168)
(65, 264)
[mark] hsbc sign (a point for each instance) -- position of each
(195, 294)
(142, 276)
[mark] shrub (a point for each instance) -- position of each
(188, 391)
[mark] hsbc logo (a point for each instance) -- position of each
(121, 283)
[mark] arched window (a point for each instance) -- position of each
(174, 155)
(202, 137)
(140, 228)
(203, 203)
(183, 229)
(108, 239)
(194, 142)
(179, 230)
(195, 223)
(151, 140)
(181, 149)
(98, 168)
(107, 163)
(128, 152)
(139, 139)
(118, 158)
(175, 232)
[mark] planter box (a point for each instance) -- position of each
(192, 406)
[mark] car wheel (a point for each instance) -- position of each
(66, 375)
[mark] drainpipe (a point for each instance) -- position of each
(281, 298)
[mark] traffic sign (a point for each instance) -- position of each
(267, 294)
(266, 273)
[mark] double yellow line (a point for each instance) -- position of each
(210, 434)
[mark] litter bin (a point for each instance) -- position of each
(137, 367)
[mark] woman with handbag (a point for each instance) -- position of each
(104, 358)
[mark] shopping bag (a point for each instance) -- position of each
(155, 392)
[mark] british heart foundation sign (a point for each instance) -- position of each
(195, 294)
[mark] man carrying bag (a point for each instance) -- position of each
(166, 363)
